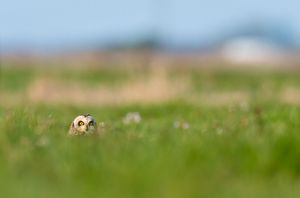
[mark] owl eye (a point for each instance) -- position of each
(91, 123)
(80, 123)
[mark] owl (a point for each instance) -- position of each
(83, 125)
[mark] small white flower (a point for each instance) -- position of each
(185, 125)
(42, 141)
(132, 118)
(181, 125)
(176, 124)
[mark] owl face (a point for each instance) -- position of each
(83, 125)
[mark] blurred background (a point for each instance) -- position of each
(243, 32)
(160, 49)
(192, 98)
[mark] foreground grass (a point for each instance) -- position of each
(226, 152)
(247, 148)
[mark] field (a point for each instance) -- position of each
(203, 132)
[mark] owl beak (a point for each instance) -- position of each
(86, 127)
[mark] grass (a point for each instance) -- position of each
(228, 150)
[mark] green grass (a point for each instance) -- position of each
(228, 151)
(18, 79)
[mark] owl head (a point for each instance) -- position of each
(83, 125)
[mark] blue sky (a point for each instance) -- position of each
(59, 22)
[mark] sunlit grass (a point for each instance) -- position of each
(234, 150)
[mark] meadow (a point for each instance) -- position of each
(203, 132)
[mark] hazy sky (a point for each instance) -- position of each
(47, 22)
